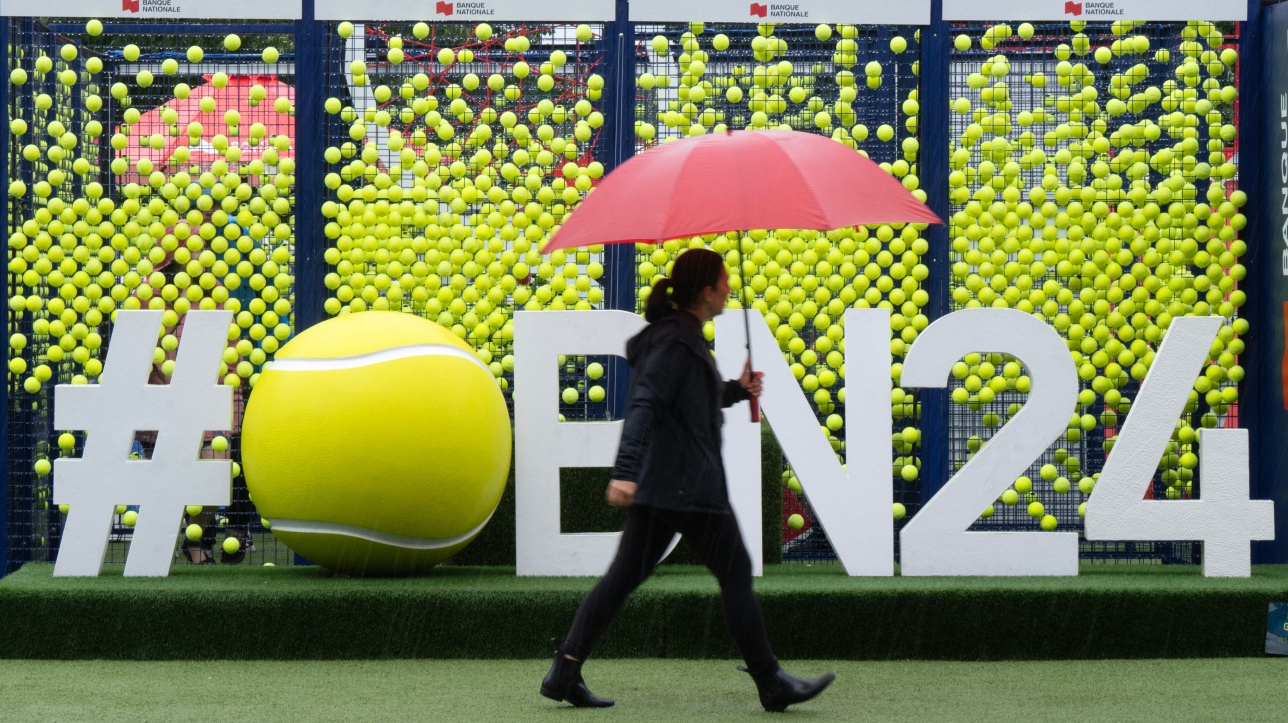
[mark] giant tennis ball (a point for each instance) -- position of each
(376, 444)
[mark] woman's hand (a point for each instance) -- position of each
(620, 493)
(751, 380)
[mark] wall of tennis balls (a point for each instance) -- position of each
(455, 150)
(145, 171)
(1093, 184)
(858, 85)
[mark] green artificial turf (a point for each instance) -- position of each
(1107, 691)
(283, 613)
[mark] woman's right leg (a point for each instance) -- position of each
(644, 539)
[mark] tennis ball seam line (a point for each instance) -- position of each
(373, 358)
(320, 527)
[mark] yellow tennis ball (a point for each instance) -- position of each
(795, 521)
(336, 440)
(232, 545)
(192, 532)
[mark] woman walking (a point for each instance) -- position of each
(670, 474)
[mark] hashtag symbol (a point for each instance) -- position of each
(123, 403)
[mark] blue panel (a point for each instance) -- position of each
(5, 39)
(1263, 113)
(310, 143)
(619, 259)
(934, 178)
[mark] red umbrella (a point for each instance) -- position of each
(734, 181)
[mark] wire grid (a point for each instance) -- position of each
(828, 91)
(448, 168)
(1136, 77)
(121, 202)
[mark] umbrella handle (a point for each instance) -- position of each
(755, 410)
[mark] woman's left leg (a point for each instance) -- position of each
(644, 539)
(642, 543)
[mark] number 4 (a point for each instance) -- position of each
(1224, 518)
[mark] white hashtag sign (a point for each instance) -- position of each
(111, 412)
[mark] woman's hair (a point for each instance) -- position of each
(693, 271)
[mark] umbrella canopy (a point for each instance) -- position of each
(736, 181)
(236, 95)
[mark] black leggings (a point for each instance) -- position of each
(718, 543)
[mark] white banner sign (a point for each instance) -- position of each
(156, 9)
(467, 10)
(1095, 10)
(874, 12)
(853, 504)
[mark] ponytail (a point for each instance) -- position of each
(693, 271)
(659, 303)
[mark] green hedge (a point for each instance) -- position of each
(228, 612)
(582, 509)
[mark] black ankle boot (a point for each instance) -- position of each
(564, 682)
(779, 689)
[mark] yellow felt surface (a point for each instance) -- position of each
(370, 331)
(417, 447)
(363, 557)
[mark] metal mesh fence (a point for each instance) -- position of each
(147, 170)
(455, 149)
(857, 84)
(1094, 184)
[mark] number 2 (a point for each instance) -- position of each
(935, 541)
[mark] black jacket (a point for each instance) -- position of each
(671, 440)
